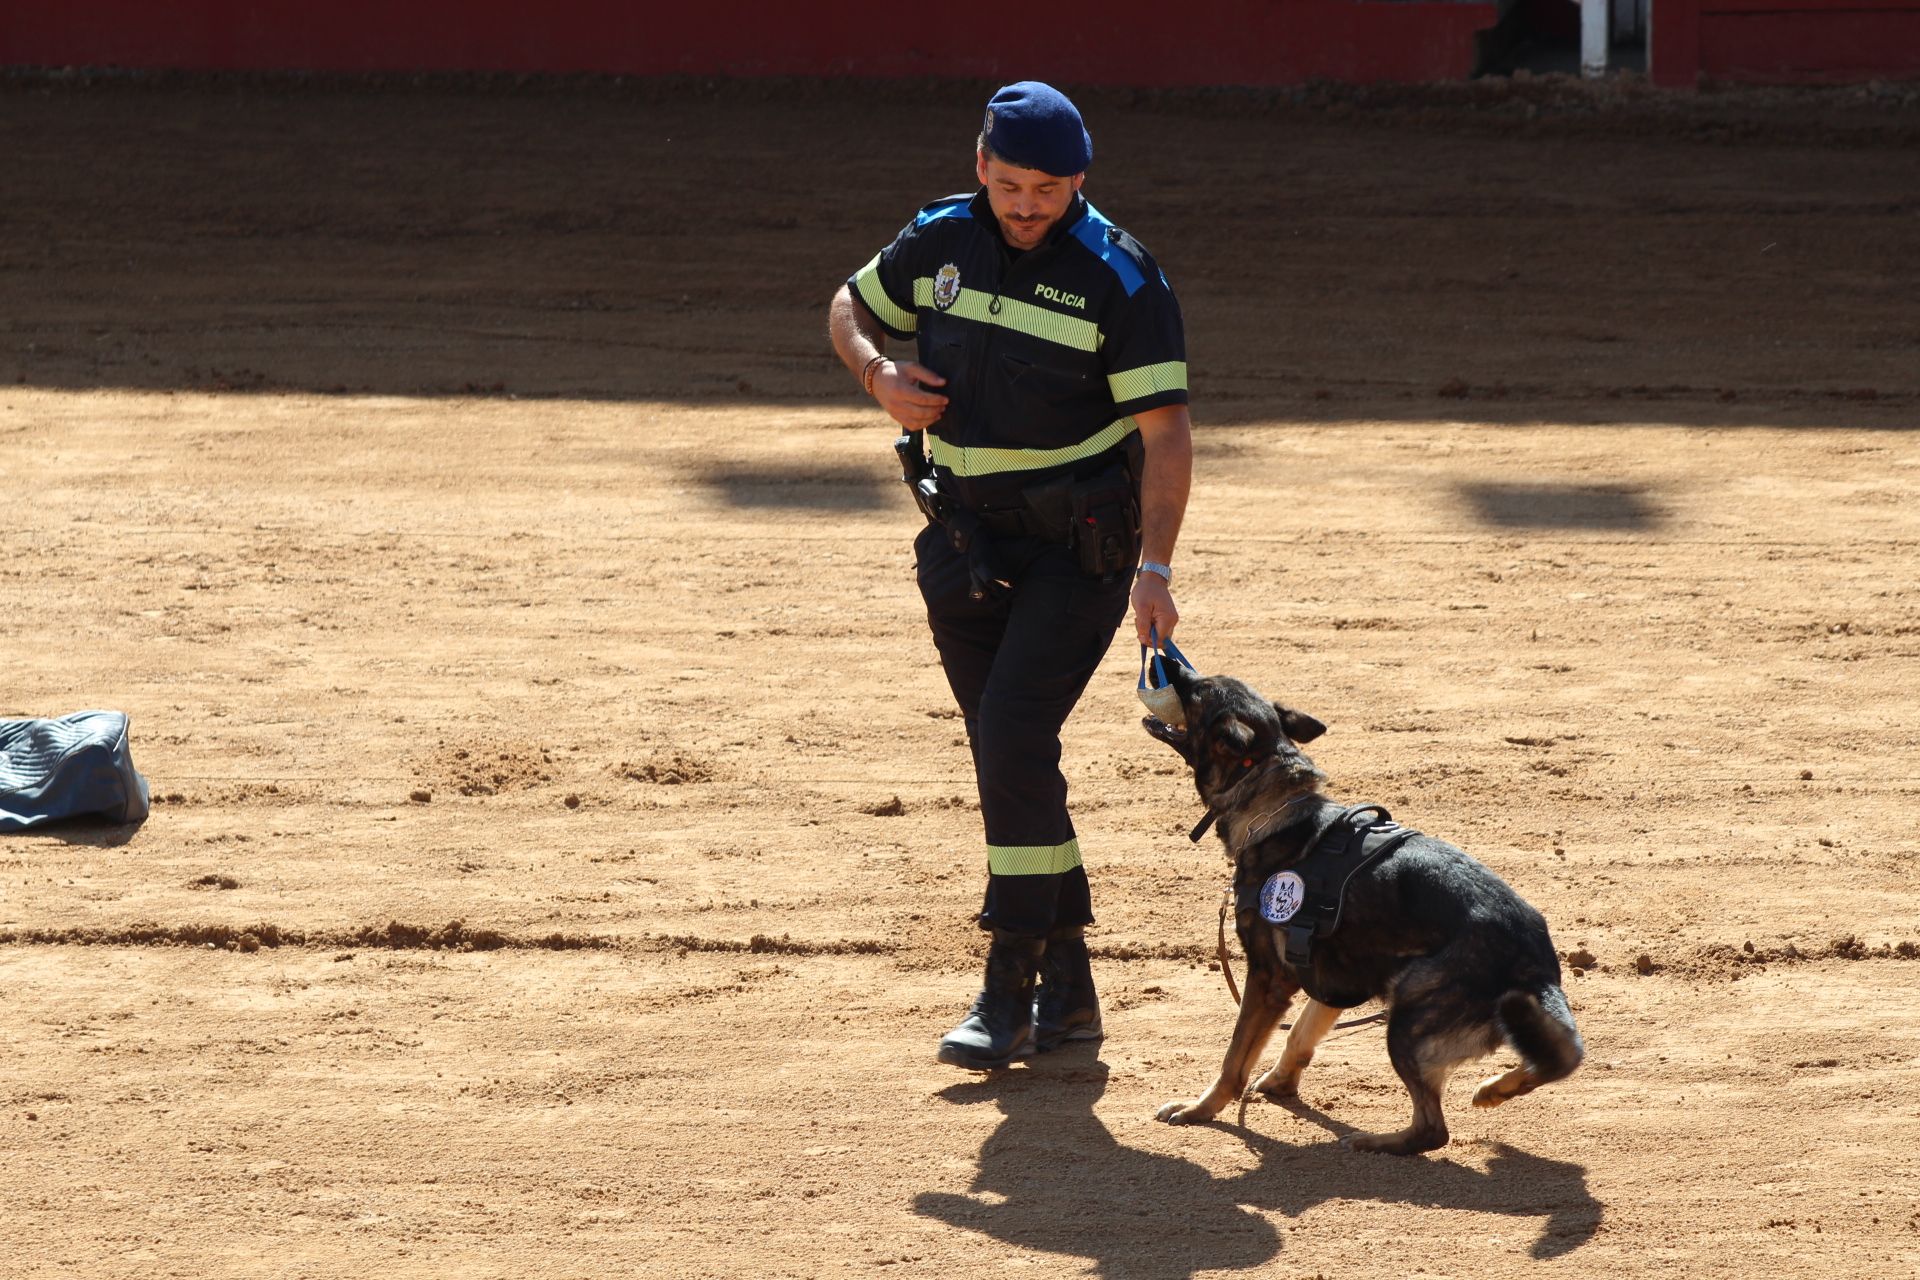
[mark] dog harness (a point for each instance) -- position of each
(1305, 899)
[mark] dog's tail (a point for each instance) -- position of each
(1540, 1027)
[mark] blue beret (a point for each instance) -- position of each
(1034, 126)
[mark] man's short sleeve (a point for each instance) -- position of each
(1145, 347)
(885, 285)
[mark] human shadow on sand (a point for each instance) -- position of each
(1052, 1178)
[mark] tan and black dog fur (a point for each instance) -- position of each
(1461, 962)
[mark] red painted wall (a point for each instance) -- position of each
(1785, 41)
(1137, 42)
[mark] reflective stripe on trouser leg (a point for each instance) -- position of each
(1035, 901)
(1017, 666)
(1033, 859)
(1023, 802)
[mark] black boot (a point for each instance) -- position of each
(1067, 1007)
(999, 1029)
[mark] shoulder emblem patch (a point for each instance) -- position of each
(946, 286)
(1282, 896)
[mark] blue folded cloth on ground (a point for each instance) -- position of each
(72, 767)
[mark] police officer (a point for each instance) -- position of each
(1050, 382)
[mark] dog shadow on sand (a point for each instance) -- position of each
(1052, 1178)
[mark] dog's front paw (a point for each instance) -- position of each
(1184, 1113)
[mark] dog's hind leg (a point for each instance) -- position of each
(1424, 1062)
(1261, 1008)
(1541, 1028)
(1309, 1029)
(1495, 1090)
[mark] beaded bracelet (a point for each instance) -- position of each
(866, 374)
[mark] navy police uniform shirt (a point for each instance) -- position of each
(1046, 353)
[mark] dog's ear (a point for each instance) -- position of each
(1300, 726)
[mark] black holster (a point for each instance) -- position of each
(916, 469)
(965, 534)
(963, 528)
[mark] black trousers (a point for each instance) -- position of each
(1017, 666)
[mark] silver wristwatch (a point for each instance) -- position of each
(1165, 571)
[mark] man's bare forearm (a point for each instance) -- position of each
(857, 336)
(908, 392)
(1168, 438)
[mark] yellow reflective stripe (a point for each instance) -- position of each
(982, 460)
(1051, 326)
(1149, 379)
(867, 281)
(1033, 859)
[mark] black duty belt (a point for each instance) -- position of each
(1017, 522)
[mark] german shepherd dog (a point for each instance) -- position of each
(1462, 964)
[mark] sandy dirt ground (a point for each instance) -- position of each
(564, 849)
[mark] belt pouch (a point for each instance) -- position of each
(1051, 506)
(1106, 522)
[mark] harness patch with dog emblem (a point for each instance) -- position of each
(1281, 897)
(946, 287)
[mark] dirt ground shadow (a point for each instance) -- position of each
(1053, 1178)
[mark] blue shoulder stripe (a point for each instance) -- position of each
(951, 207)
(1091, 231)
